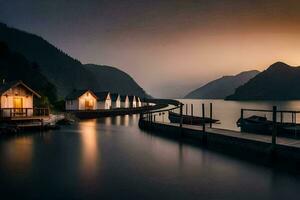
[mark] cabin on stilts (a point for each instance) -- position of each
(115, 100)
(104, 100)
(81, 100)
(17, 102)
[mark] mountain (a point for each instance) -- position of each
(65, 72)
(222, 87)
(14, 66)
(114, 80)
(279, 82)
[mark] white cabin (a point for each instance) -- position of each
(17, 100)
(104, 100)
(139, 102)
(81, 100)
(115, 100)
(132, 101)
(124, 101)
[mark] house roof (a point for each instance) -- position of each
(123, 98)
(102, 95)
(6, 86)
(114, 96)
(131, 97)
(75, 94)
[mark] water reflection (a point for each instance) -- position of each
(90, 160)
(17, 155)
(90, 155)
(125, 120)
(107, 121)
(118, 120)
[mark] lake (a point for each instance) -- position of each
(228, 112)
(111, 158)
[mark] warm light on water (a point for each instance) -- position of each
(90, 153)
(96, 160)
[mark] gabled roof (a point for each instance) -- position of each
(123, 98)
(102, 95)
(75, 94)
(131, 97)
(114, 96)
(6, 86)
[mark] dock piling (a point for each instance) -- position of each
(181, 118)
(203, 116)
(203, 125)
(274, 131)
(186, 109)
(210, 115)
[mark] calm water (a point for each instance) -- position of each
(112, 158)
(228, 112)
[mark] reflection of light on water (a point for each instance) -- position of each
(89, 151)
(134, 118)
(118, 120)
(126, 120)
(18, 154)
(108, 121)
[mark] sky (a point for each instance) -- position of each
(169, 47)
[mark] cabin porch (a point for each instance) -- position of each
(23, 113)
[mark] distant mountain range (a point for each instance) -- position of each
(222, 87)
(65, 72)
(279, 82)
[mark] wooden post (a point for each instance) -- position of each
(204, 140)
(210, 115)
(186, 109)
(242, 114)
(203, 116)
(274, 131)
(281, 117)
(181, 119)
(192, 110)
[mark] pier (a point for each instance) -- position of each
(271, 147)
(90, 114)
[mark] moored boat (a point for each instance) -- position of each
(188, 119)
(261, 125)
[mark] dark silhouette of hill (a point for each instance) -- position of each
(65, 72)
(114, 80)
(279, 82)
(14, 66)
(222, 87)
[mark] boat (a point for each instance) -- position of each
(188, 119)
(261, 125)
(255, 124)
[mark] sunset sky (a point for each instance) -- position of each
(170, 46)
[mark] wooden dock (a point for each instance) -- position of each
(237, 134)
(282, 149)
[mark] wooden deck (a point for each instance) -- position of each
(236, 134)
